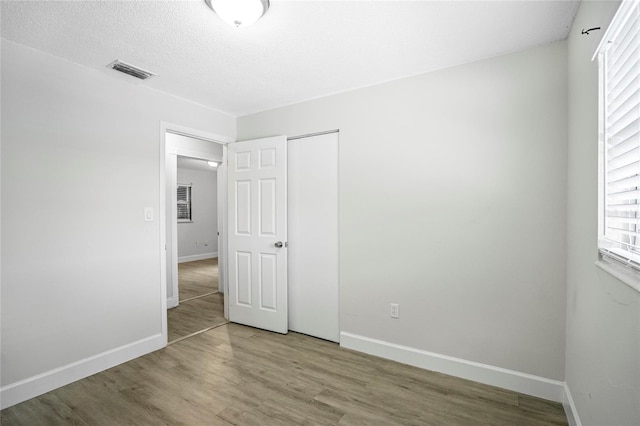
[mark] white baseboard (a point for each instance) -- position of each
(570, 408)
(172, 302)
(23, 390)
(528, 384)
(195, 257)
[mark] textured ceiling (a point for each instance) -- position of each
(300, 49)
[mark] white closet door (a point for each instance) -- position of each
(313, 236)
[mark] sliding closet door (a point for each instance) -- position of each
(313, 236)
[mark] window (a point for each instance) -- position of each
(184, 203)
(619, 200)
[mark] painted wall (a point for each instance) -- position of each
(453, 205)
(80, 161)
(199, 237)
(603, 314)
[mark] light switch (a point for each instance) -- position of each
(148, 214)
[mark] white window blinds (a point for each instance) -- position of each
(184, 203)
(619, 57)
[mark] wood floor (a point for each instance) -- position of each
(201, 306)
(236, 375)
(244, 376)
(197, 278)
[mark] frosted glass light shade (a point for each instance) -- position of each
(239, 13)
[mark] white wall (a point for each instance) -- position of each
(603, 314)
(200, 237)
(452, 204)
(80, 267)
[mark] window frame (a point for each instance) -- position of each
(613, 257)
(188, 202)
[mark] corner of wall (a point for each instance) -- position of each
(570, 408)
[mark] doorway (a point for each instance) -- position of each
(200, 304)
(184, 142)
(192, 231)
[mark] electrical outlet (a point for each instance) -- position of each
(395, 310)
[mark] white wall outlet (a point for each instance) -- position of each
(395, 310)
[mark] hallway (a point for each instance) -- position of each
(201, 306)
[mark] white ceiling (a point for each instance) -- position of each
(299, 50)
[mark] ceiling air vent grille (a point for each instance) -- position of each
(131, 70)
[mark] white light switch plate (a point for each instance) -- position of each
(148, 214)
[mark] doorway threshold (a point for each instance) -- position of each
(196, 333)
(199, 296)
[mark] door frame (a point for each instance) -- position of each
(170, 254)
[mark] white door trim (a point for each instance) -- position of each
(222, 227)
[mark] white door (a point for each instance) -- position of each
(257, 233)
(313, 236)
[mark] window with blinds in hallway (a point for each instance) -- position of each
(619, 206)
(184, 203)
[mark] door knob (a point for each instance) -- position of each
(278, 244)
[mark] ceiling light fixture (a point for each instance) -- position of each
(240, 13)
(212, 164)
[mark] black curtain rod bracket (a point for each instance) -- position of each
(590, 29)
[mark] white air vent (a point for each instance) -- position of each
(131, 70)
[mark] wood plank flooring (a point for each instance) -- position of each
(197, 278)
(195, 315)
(244, 376)
(236, 375)
(201, 306)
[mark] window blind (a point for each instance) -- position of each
(620, 126)
(184, 202)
